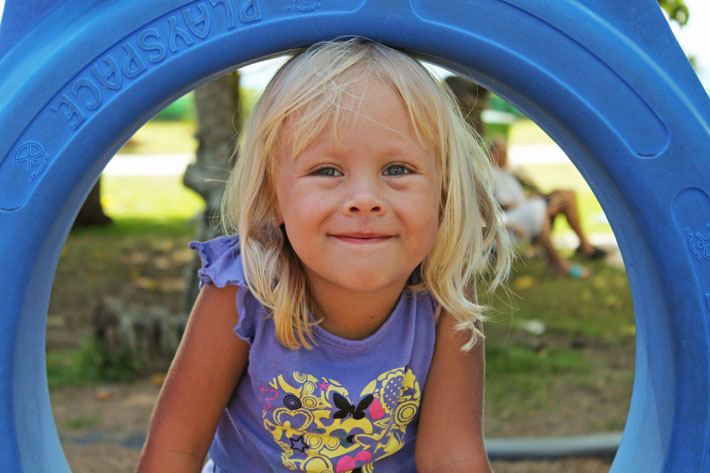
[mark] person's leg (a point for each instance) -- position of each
(564, 202)
(555, 260)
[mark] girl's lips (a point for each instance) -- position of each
(362, 237)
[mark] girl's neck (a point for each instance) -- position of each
(353, 315)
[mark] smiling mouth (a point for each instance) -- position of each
(362, 238)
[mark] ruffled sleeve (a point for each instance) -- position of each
(221, 262)
(222, 266)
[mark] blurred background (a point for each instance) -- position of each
(560, 352)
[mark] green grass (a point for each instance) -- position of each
(518, 375)
(162, 137)
(587, 323)
(160, 198)
(520, 359)
(79, 422)
(91, 363)
(143, 228)
(599, 307)
(526, 132)
(147, 212)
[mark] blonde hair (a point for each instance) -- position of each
(308, 94)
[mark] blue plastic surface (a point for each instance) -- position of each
(605, 78)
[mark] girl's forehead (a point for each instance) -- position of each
(335, 111)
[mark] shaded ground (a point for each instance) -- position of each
(101, 431)
(144, 270)
(102, 426)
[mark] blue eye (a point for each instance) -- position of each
(327, 172)
(396, 170)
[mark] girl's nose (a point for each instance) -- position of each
(365, 200)
(362, 208)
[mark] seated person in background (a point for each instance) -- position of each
(529, 217)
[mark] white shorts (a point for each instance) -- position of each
(529, 216)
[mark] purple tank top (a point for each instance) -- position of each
(345, 405)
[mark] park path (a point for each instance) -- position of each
(174, 164)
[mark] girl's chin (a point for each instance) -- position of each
(370, 283)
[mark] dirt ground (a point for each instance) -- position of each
(102, 427)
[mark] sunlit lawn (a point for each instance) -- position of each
(149, 197)
(153, 197)
(162, 137)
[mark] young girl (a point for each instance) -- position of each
(362, 214)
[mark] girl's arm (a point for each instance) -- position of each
(205, 371)
(450, 436)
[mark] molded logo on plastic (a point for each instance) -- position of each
(304, 6)
(152, 44)
(122, 66)
(32, 157)
(691, 211)
(699, 243)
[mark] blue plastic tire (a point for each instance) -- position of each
(604, 78)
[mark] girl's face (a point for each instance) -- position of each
(361, 210)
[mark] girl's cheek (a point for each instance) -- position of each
(318, 201)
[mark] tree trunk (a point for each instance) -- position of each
(472, 99)
(91, 212)
(219, 121)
